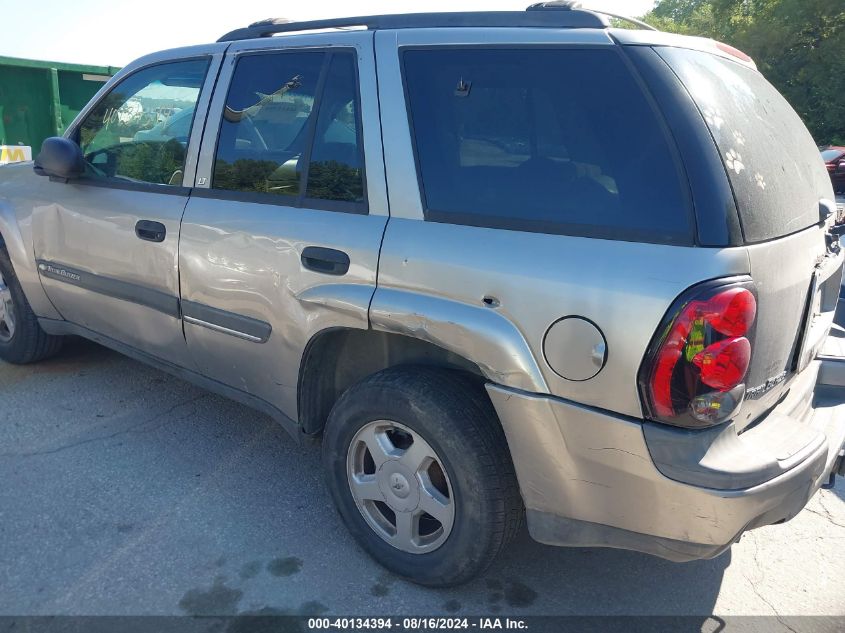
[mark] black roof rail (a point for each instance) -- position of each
(551, 15)
(563, 5)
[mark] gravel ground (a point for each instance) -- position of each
(126, 491)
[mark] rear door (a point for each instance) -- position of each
(281, 236)
(106, 244)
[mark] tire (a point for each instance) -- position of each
(469, 470)
(22, 340)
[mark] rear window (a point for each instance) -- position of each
(772, 161)
(543, 140)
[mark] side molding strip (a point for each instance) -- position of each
(125, 291)
(196, 313)
(225, 322)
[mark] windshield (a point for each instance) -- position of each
(772, 161)
(831, 154)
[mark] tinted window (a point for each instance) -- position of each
(336, 167)
(771, 159)
(261, 136)
(139, 131)
(559, 141)
(270, 126)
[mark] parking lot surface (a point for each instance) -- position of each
(127, 491)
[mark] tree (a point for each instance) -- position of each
(799, 45)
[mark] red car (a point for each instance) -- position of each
(834, 160)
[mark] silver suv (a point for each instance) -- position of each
(508, 265)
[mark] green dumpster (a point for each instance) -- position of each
(40, 99)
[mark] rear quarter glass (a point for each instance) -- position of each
(772, 162)
(549, 140)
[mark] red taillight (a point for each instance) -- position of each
(734, 52)
(723, 365)
(734, 311)
(694, 372)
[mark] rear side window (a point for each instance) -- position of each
(772, 161)
(291, 129)
(543, 140)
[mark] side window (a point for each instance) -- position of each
(279, 137)
(542, 140)
(336, 170)
(139, 131)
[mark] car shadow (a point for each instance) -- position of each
(592, 582)
(839, 489)
(76, 352)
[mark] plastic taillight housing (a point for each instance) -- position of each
(694, 371)
(735, 52)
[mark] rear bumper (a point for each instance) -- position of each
(590, 478)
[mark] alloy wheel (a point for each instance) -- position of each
(400, 487)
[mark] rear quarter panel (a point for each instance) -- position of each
(425, 267)
(625, 288)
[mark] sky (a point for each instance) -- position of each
(114, 32)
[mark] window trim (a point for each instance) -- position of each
(624, 234)
(300, 201)
(714, 202)
(271, 199)
(128, 185)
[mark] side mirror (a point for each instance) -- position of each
(60, 159)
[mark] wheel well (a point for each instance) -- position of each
(335, 360)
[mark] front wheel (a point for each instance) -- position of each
(419, 468)
(22, 340)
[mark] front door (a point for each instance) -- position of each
(107, 243)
